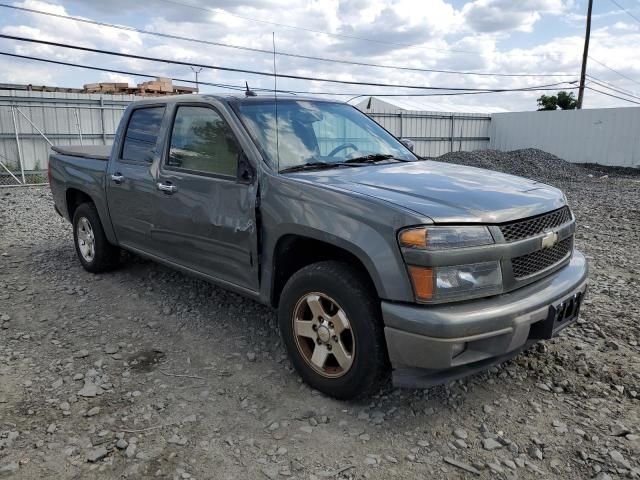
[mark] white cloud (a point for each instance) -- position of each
(626, 27)
(506, 15)
(118, 78)
(434, 29)
(29, 74)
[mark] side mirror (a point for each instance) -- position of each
(246, 172)
(407, 143)
(175, 158)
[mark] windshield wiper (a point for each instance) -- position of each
(311, 166)
(375, 157)
(372, 158)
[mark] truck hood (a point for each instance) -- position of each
(445, 192)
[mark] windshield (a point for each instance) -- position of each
(312, 132)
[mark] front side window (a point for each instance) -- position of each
(315, 131)
(202, 142)
(142, 134)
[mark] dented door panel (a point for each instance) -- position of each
(208, 225)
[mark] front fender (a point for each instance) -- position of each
(355, 224)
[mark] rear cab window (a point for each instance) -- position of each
(142, 134)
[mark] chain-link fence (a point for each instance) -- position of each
(10, 179)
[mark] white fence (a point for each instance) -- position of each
(436, 133)
(31, 122)
(607, 136)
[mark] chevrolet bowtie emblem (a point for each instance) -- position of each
(549, 240)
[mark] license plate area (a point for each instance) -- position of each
(560, 315)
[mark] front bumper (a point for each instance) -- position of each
(435, 344)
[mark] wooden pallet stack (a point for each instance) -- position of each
(159, 86)
(112, 88)
(153, 88)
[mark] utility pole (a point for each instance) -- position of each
(196, 71)
(585, 54)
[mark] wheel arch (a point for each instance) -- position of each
(295, 251)
(74, 197)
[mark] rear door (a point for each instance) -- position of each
(205, 215)
(131, 187)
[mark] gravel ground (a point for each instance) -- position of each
(145, 372)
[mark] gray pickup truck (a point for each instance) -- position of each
(377, 261)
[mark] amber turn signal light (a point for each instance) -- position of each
(422, 280)
(414, 237)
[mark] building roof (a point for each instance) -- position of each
(423, 104)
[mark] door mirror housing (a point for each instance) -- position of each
(407, 143)
(246, 172)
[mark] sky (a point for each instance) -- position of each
(532, 37)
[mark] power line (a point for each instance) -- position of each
(611, 83)
(604, 85)
(614, 71)
(236, 70)
(614, 89)
(626, 11)
(286, 54)
(609, 87)
(111, 70)
(532, 89)
(611, 95)
(268, 90)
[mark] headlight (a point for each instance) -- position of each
(456, 282)
(439, 238)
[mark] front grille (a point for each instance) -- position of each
(534, 225)
(540, 260)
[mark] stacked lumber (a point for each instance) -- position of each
(106, 88)
(152, 88)
(161, 85)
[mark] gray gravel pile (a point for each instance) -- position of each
(529, 162)
(147, 373)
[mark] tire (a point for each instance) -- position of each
(94, 251)
(354, 359)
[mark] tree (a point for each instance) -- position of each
(564, 100)
(567, 101)
(546, 102)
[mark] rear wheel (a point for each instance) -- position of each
(331, 324)
(94, 251)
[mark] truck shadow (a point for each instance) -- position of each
(201, 309)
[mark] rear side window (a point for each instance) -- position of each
(142, 134)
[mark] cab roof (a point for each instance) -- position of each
(236, 99)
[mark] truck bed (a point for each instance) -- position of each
(97, 152)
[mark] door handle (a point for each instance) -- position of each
(117, 177)
(167, 188)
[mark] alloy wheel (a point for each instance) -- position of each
(86, 239)
(323, 335)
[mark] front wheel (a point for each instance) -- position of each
(331, 324)
(94, 251)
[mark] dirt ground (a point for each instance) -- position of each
(147, 373)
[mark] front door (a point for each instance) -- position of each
(204, 214)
